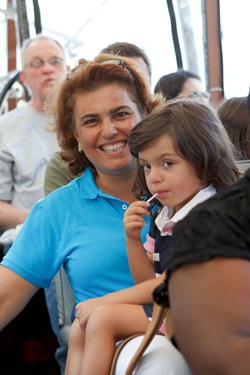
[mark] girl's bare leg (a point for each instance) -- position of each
(107, 325)
(76, 349)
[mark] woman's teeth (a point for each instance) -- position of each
(111, 148)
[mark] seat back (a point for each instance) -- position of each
(65, 302)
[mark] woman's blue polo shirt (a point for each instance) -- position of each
(81, 227)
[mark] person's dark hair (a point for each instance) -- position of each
(234, 115)
(87, 77)
(170, 85)
(198, 137)
(125, 49)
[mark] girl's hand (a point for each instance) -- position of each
(84, 310)
(133, 219)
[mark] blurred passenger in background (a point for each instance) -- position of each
(234, 115)
(26, 145)
(125, 49)
(181, 84)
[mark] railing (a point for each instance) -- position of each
(12, 92)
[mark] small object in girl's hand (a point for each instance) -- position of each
(153, 196)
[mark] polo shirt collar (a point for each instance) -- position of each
(167, 218)
(89, 188)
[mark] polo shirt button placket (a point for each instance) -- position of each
(124, 207)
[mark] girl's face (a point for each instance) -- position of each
(167, 174)
(104, 119)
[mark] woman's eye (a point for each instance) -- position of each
(122, 114)
(91, 121)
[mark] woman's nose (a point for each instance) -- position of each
(108, 129)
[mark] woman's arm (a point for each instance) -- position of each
(15, 293)
(210, 305)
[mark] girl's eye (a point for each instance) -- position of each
(146, 167)
(167, 163)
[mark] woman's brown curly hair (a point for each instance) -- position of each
(88, 76)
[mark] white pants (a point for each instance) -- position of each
(160, 358)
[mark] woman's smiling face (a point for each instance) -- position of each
(103, 121)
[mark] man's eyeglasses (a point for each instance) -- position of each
(115, 61)
(38, 63)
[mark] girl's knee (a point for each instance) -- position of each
(100, 318)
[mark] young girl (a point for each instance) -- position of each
(184, 156)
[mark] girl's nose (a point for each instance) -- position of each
(155, 176)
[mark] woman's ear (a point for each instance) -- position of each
(76, 135)
(78, 141)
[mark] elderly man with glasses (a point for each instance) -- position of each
(26, 145)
